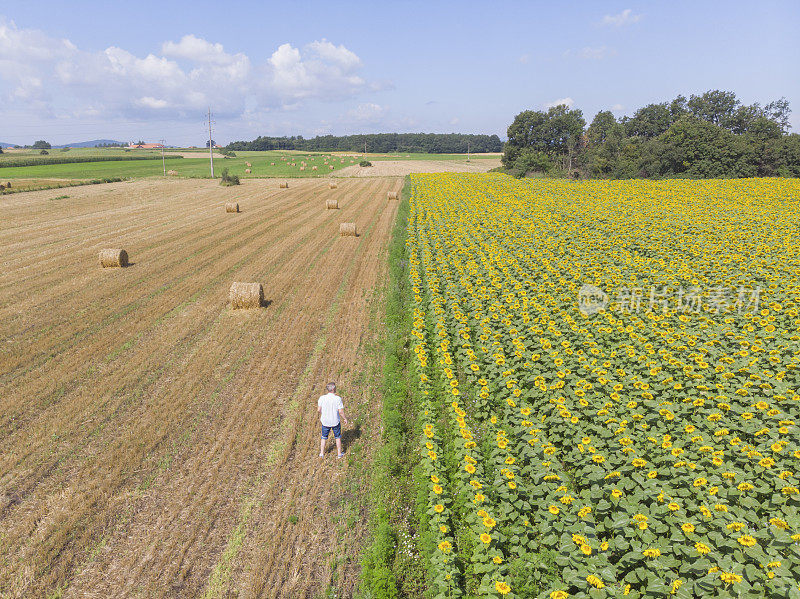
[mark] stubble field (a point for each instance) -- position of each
(154, 442)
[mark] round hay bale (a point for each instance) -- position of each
(231, 207)
(272, 164)
(246, 295)
(172, 172)
(110, 258)
(248, 164)
(333, 185)
(348, 230)
(392, 195)
(330, 167)
(284, 185)
(247, 171)
(331, 204)
(302, 168)
(313, 168)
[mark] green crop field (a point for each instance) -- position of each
(184, 167)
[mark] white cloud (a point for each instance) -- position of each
(198, 50)
(368, 113)
(626, 17)
(566, 101)
(592, 53)
(41, 74)
(150, 102)
(617, 107)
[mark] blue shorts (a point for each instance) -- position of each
(337, 431)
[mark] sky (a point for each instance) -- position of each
(81, 70)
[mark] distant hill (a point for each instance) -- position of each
(89, 144)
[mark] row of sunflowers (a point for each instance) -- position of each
(641, 443)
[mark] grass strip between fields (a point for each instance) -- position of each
(390, 568)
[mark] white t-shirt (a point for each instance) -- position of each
(330, 404)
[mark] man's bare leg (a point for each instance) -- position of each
(339, 447)
(322, 447)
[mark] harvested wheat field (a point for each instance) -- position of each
(155, 442)
(401, 168)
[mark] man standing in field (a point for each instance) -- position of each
(331, 411)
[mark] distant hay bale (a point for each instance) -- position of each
(172, 172)
(246, 295)
(331, 204)
(272, 164)
(331, 167)
(293, 164)
(392, 195)
(348, 230)
(231, 207)
(284, 185)
(302, 168)
(247, 171)
(313, 168)
(248, 164)
(113, 257)
(333, 185)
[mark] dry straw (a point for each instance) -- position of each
(284, 185)
(231, 207)
(348, 230)
(332, 204)
(113, 257)
(246, 295)
(392, 195)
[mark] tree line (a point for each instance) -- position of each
(709, 135)
(380, 143)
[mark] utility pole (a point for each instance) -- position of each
(365, 149)
(163, 164)
(467, 151)
(210, 144)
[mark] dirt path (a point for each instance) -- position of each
(164, 418)
(401, 168)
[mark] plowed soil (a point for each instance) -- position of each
(156, 443)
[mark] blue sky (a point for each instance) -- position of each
(77, 70)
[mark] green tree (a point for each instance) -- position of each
(604, 140)
(649, 121)
(41, 145)
(714, 106)
(697, 148)
(554, 135)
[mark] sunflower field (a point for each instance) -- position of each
(648, 447)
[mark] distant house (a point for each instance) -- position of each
(146, 146)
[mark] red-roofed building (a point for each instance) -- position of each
(146, 146)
